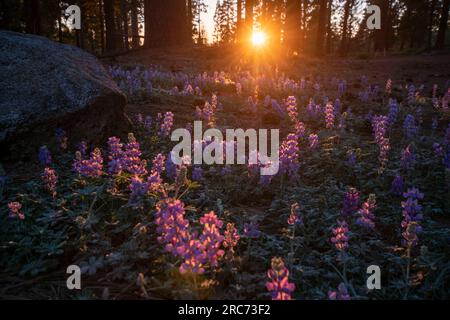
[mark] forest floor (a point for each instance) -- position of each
(427, 68)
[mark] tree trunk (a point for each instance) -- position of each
(430, 23)
(165, 23)
(32, 16)
(328, 46)
(189, 20)
(321, 27)
(124, 16)
(239, 21)
(110, 26)
(102, 26)
(293, 24)
(440, 40)
(343, 46)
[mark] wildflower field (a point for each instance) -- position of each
(363, 181)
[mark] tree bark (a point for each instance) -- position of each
(102, 26)
(343, 46)
(321, 27)
(328, 46)
(293, 24)
(124, 16)
(430, 23)
(110, 26)
(32, 16)
(134, 24)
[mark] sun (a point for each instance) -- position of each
(258, 38)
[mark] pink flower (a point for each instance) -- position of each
(279, 286)
(340, 238)
(91, 167)
(14, 210)
(50, 179)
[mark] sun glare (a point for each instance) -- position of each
(258, 38)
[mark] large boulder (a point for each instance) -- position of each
(46, 85)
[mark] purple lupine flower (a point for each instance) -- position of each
(174, 233)
(167, 124)
(340, 237)
(294, 216)
(314, 110)
(300, 129)
(45, 158)
(351, 158)
(434, 124)
(438, 150)
(279, 285)
(50, 179)
(138, 190)
(411, 211)
(115, 155)
(226, 170)
(342, 87)
(148, 122)
(14, 210)
(251, 230)
(276, 106)
(61, 138)
(340, 294)
(397, 186)
(383, 155)
(92, 167)
(83, 147)
(158, 163)
(171, 168)
(379, 128)
(393, 112)
(411, 94)
(409, 127)
(172, 226)
(329, 115)
(447, 136)
(210, 238)
(351, 202)
(364, 95)
(413, 193)
(408, 158)
(289, 152)
(154, 183)
(313, 141)
(197, 173)
(131, 159)
(446, 160)
(337, 107)
(291, 108)
(367, 216)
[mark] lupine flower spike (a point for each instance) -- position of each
(279, 285)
